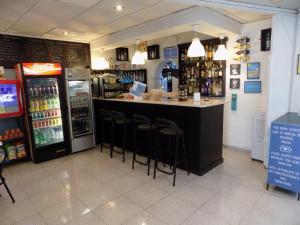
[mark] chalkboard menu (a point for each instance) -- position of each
(15, 49)
(284, 156)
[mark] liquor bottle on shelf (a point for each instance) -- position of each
(220, 73)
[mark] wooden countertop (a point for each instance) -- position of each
(173, 102)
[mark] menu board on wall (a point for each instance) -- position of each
(15, 49)
(284, 155)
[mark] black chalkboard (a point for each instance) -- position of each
(15, 49)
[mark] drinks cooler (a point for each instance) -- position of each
(80, 107)
(45, 116)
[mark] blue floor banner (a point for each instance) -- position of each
(284, 154)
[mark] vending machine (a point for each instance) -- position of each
(80, 106)
(42, 85)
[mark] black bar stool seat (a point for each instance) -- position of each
(146, 127)
(143, 125)
(170, 130)
(106, 119)
(119, 120)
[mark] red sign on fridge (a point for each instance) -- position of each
(38, 69)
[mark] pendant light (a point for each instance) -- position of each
(99, 62)
(221, 53)
(138, 58)
(196, 49)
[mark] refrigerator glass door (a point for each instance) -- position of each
(45, 111)
(80, 107)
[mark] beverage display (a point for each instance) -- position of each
(202, 74)
(80, 107)
(45, 111)
(78, 88)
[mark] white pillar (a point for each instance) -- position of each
(281, 70)
(295, 92)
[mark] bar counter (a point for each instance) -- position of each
(202, 123)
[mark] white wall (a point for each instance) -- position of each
(295, 93)
(238, 124)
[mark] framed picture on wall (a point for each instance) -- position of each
(298, 64)
(235, 69)
(170, 52)
(253, 70)
(235, 83)
(252, 87)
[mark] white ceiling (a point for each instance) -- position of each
(286, 4)
(87, 20)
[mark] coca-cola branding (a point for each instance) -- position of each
(7, 98)
(36, 69)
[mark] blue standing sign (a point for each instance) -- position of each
(284, 154)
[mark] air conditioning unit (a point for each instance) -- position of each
(258, 135)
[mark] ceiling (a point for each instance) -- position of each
(87, 20)
(285, 4)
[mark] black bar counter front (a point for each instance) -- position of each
(202, 123)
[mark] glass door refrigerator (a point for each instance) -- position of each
(46, 115)
(80, 108)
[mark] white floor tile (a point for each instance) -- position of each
(202, 218)
(94, 197)
(32, 220)
(194, 195)
(171, 211)
(143, 218)
(231, 211)
(51, 198)
(117, 211)
(88, 219)
(146, 195)
(16, 211)
(64, 212)
(241, 193)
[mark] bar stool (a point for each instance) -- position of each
(2, 179)
(105, 119)
(142, 124)
(119, 120)
(170, 130)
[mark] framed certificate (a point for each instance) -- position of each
(253, 70)
(252, 87)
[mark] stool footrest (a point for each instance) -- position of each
(142, 163)
(163, 171)
(121, 153)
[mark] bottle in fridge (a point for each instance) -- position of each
(43, 86)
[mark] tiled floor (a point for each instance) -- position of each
(89, 188)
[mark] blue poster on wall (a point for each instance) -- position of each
(284, 154)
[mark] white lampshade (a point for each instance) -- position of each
(138, 58)
(100, 63)
(221, 53)
(196, 49)
(145, 55)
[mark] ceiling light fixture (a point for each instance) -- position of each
(138, 57)
(119, 8)
(196, 49)
(221, 53)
